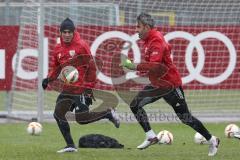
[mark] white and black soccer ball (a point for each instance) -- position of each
(231, 130)
(69, 74)
(34, 128)
(199, 139)
(165, 137)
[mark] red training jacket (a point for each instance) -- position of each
(76, 54)
(158, 63)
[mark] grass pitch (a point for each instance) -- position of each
(16, 144)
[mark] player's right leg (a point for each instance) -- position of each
(63, 105)
(136, 107)
(108, 100)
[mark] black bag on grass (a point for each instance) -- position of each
(98, 141)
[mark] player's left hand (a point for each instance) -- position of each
(128, 64)
(45, 82)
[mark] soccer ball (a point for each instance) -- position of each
(231, 130)
(69, 74)
(199, 139)
(165, 137)
(34, 128)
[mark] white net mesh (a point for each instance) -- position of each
(204, 35)
(24, 84)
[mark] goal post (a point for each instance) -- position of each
(25, 97)
(40, 98)
(204, 36)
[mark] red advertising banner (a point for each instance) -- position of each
(207, 57)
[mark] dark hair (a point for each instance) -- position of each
(146, 19)
(67, 24)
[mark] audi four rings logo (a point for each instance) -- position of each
(194, 42)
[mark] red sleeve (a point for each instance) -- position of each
(80, 60)
(146, 66)
(155, 51)
(90, 76)
(154, 68)
(55, 67)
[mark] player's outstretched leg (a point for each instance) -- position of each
(89, 117)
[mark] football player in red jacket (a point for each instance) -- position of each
(165, 83)
(77, 96)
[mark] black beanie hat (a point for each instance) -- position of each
(67, 24)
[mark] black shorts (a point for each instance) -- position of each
(80, 101)
(151, 94)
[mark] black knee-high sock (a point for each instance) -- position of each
(198, 126)
(141, 117)
(186, 117)
(177, 100)
(65, 130)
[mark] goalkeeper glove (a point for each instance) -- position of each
(128, 64)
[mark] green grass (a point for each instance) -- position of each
(16, 144)
(3, 100)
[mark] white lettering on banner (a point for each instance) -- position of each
(29, 75)
(21, 73)
(194, 42)
(2, 64)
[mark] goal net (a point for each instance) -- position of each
(205, 40)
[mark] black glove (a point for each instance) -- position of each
(45, 83)
(88, 94)
(88, 101)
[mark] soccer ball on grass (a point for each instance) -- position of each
(165, 137)
(231, 130)
(34, 128)
(199, 139)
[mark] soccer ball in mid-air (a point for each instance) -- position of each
(165, 137)
(231, 130)
(199, 139)
(34, 128)
(69, 74)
